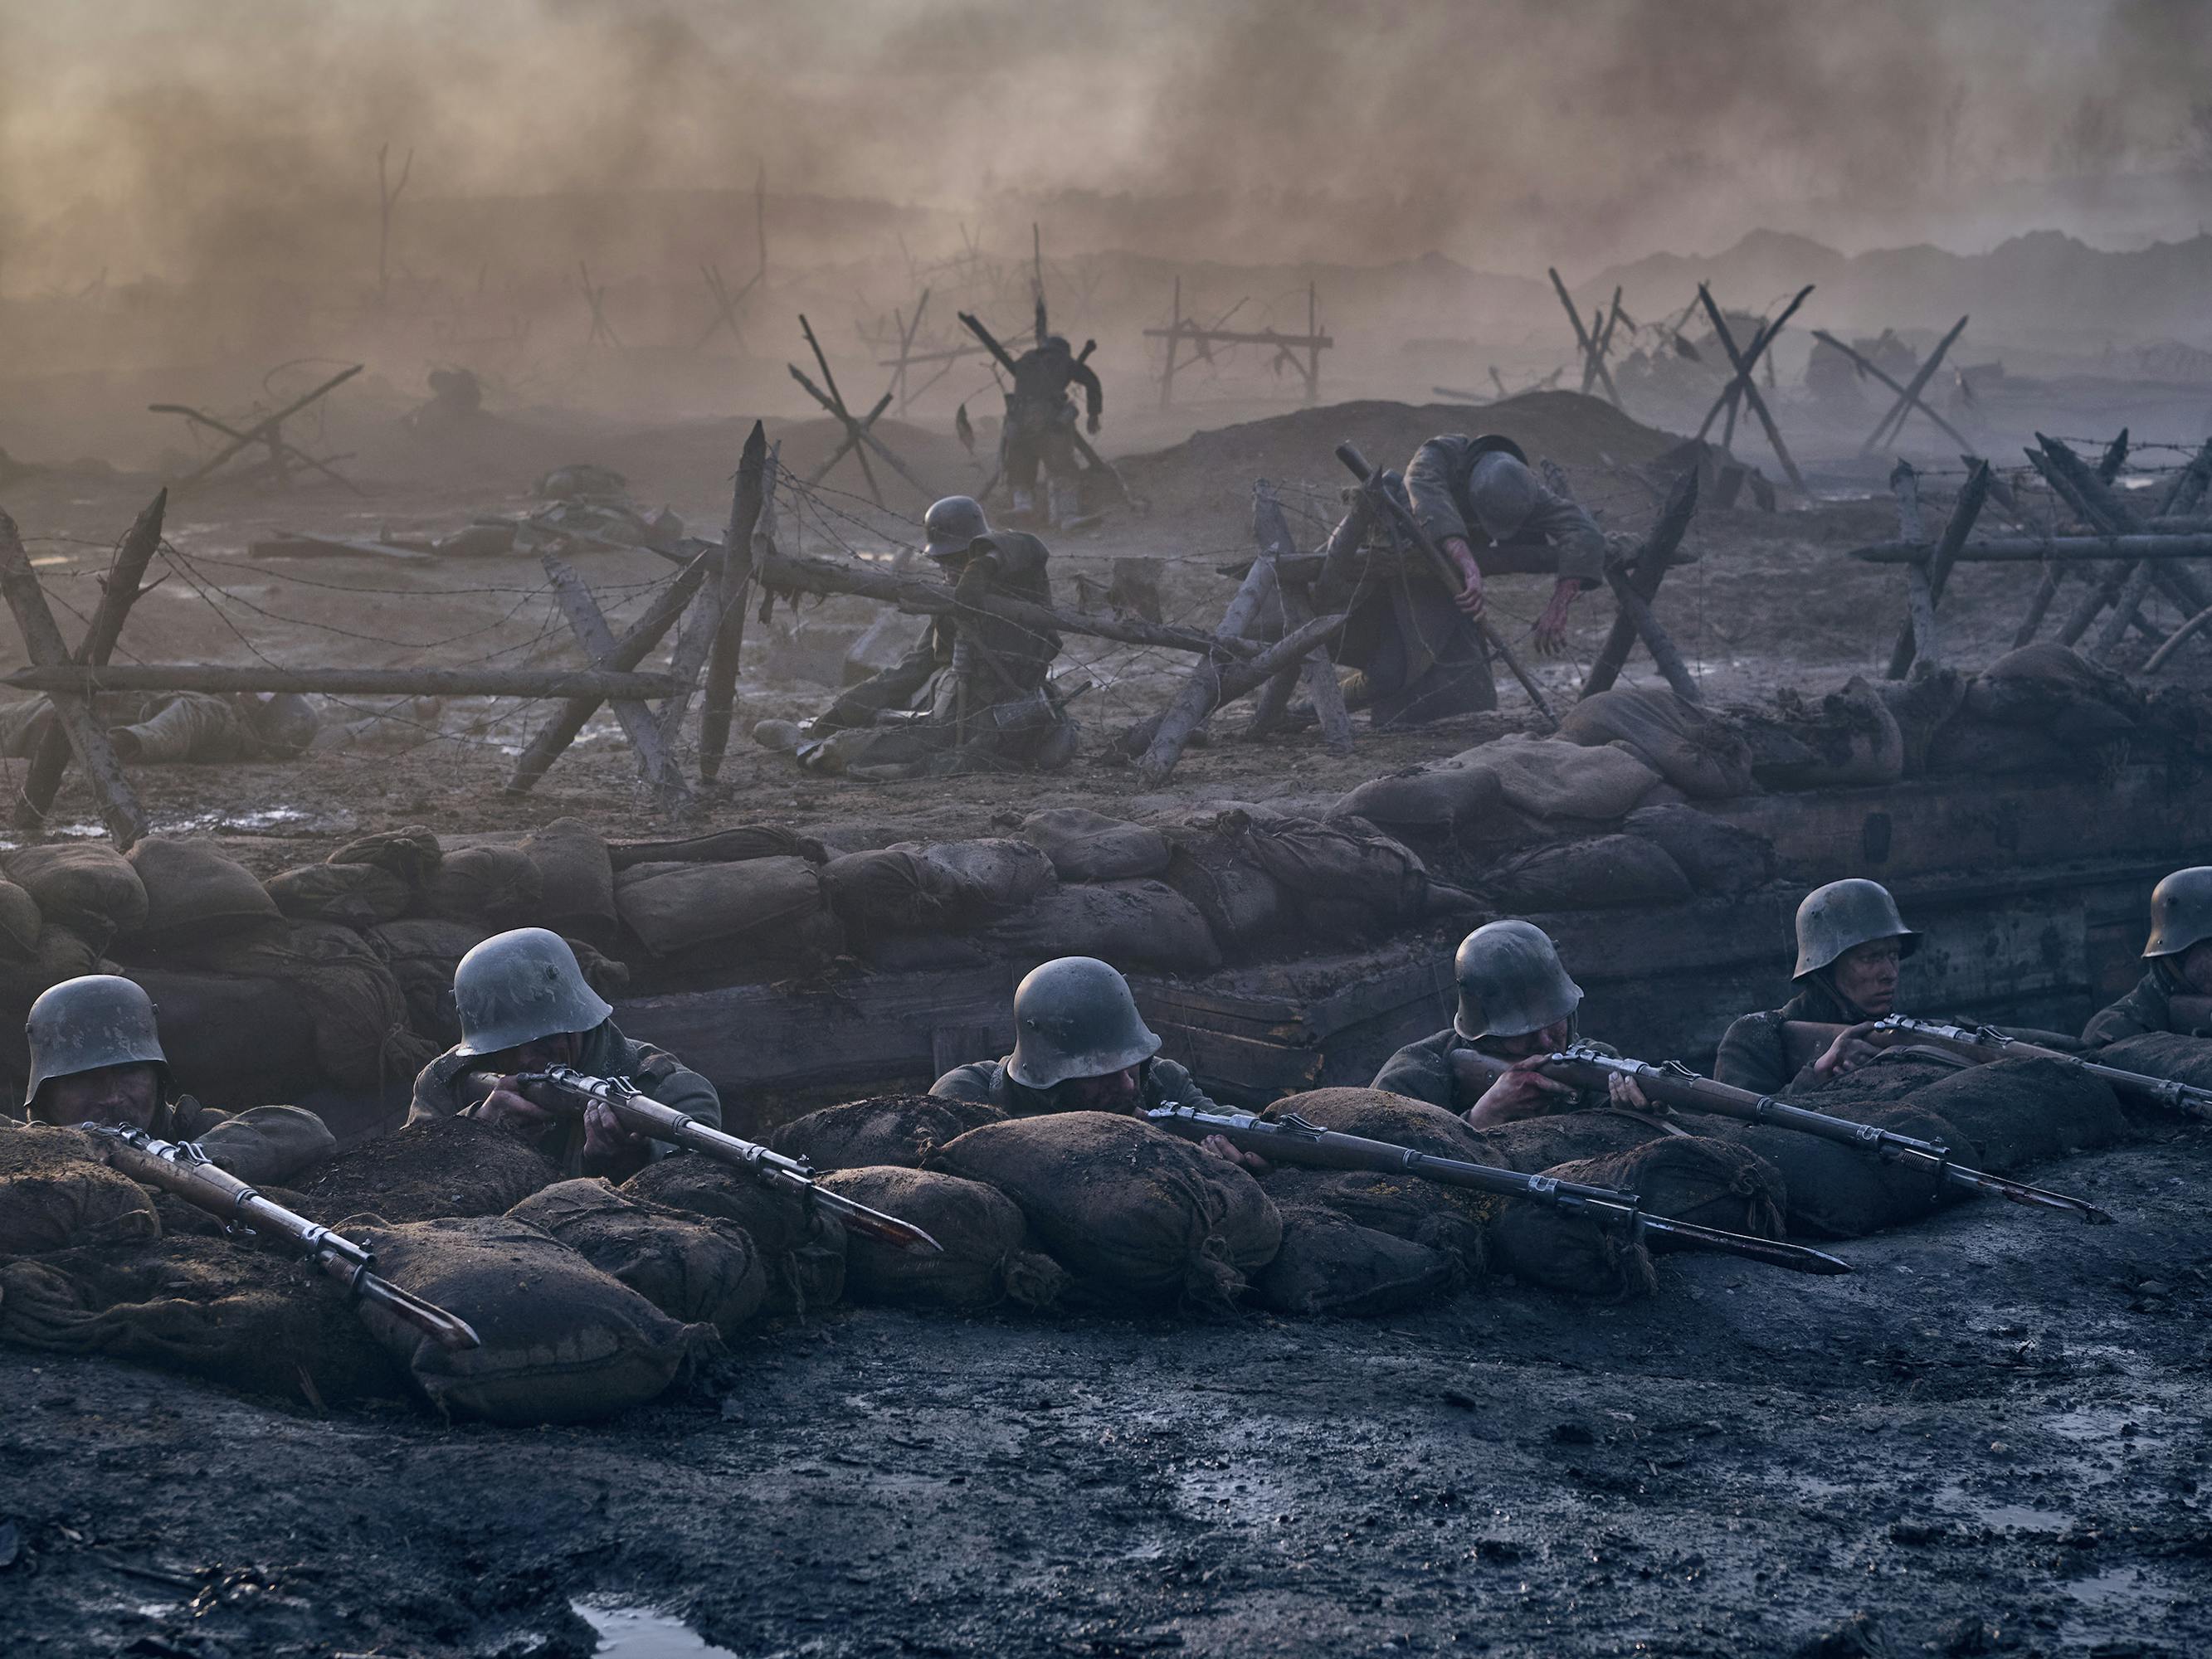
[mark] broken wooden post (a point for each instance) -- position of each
(1656, 638)
(1644, 570)
(1936, 573)
(600, 645)
(1914, 398)
(1200, 693)
(1593, 365)
(1920, 604)
(1239, 679)
(2078, 484)
(733, 583)
(1750, 390)
(859, 437)
(268, 430)
(387, 198)
(1318, 671)
(1759, 343)
(119, 590)
(1908, 397)
(81, 679)
(72, 711)
(2187, 486)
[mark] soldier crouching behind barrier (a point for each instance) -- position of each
(525, 1006)
(974, 693)
(1516, 1002)
(97, 1057)
(1850, 941)
(2175, 994)
(179, 727)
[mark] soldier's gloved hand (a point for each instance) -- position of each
(1468, 599)
(1224, 1148)
(1551, 625)
(1091, 425)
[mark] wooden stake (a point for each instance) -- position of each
(1908, 397)
(1751, 389)
(590, 626)
(1759, 343)
(1592, 364)
(1645, 570)
(1936, 573)
(735, 584)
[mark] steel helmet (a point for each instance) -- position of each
(84, 1024)
(2180, 911)
(517, 987)
(1510, 982)
(951, 527)
(1074, 1016)
(1843, 913)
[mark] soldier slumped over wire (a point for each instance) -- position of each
(1041, 427)
(1516, 1002)
(973, 693)
(2179, 955)
(525, 1006)
(97, 1057)
(178, 726)
(1415, 642)
(1850, 942)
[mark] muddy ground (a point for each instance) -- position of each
(1989, 1439)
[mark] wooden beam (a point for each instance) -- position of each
(82, 680)
(590, 627)
(1200, 693)
(1239, 679)
(2029, 549)
(1759, 343)
(1908, 396)
(1645, 569)
(1920, 603)
(1271, 530)
(1937, 570)
(257, 432)
(1751, 391)
(1592, 363)
(733, 585)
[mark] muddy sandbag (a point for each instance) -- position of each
(361, 1035)
(1533, 1144)
(2162, 1054)
(226, 1312)
(1087, 845)
(1689, 1177)
(1586, 875)
(1893, 1074)
(1548, 778)
(446, 1166)
(902, 891)
(1136, 1214)
(190, 886)
(1838, 1191)
(422, 953)
(919, 953)
(1970, 747)
(1342, 859)
(1328, 1265)
(1378, 1115)
(881, 1131)
(1449, 1220)
(1009, 873)
(20, 923)
(1923, 704)
(2055, 689)
(2024, 1111)
(1131, 924)
(66, 953)
(732, 846)
(674, 907)
(1686, 746)
(696, 1269)
(987, 1259)
(496, 885)
(1850, 735)
(575, 879)
(803, 1248)
(56, 1191)
(1573, 1252)
(1718, 857)
(1245, 909)
(562, 1342)
(411, 852)
(1446, 798)
(87, 887)
(357, 896)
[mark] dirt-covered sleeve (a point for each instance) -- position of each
(1573, 534)
(1421, 1071)
(672, 1082)
(1432, 480)
(976, 1081)
(1094, 395)
(1174, 1085)
(267, 1146)
(896, 687)
(2144, 1009)
(1751, 1055)
(434, 1095)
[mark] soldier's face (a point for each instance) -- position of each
(1552, 1038)
(2196, 966)
(562, 1049)
(1116, 1091)
(1866, 976)
(128, 1094)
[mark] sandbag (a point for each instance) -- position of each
(87, 887)
(919, 953)
(882, 1131)
(2023, 1111)
(1893, 1075)
(1343, 859)
(1716, 856)
(1135, 1214)
(361, 1035)
(803, 1248)
(1533, 1144)
(987, 1258)
(422, 953)
(1574, 1252)
(1714, 1183)
(1381, 1116)
(65, 953)
(411, 852)
(1131, 924)
(1087, 845)
(1549, 779)
(1449, 1220)
(56, 1191)
(446, 1166)
(498, 886)
(226, 1312)
(1680, 741)
(2162, 1054)
(1010, 873)
(696, 1269)
(562, 1342)
(1448, 798)
(673, 907)
(192, 886)
(732, 846)
(1244, 907)
(575, 879)
(1923, 704)
(1328, 1265)
(902, 891)
(1586, 875)
(19, 922)
(1838, 1191)
(357, 896)
(1850, 735)
(2055, 689)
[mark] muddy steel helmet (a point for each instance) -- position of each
(951, 527)
(1843, 913)
(516, 987)
(83, 1024)
(1510, 982)
(1074, 1016)
(2180, 911)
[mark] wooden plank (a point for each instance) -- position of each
(733, 587)
(1750, 391)
(1908, 397)
(1964, 512)
(591, 630)
(2033, 549)
(1646, 569)
(599, 684)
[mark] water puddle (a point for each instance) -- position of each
(2119, 1604)
(647, 1633)
(2000, 1517)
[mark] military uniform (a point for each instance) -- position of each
(2148, 1007)
(178, 726)
(1752, 1055)
(987, 1083)
(1073, 1019)
(2180, 919)
(1831, 919)
(1420, 657)
(1040, 424)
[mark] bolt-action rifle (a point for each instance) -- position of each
(1675, 1085)
(180, 1167)
(567, 1091)
(1293, 1139)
